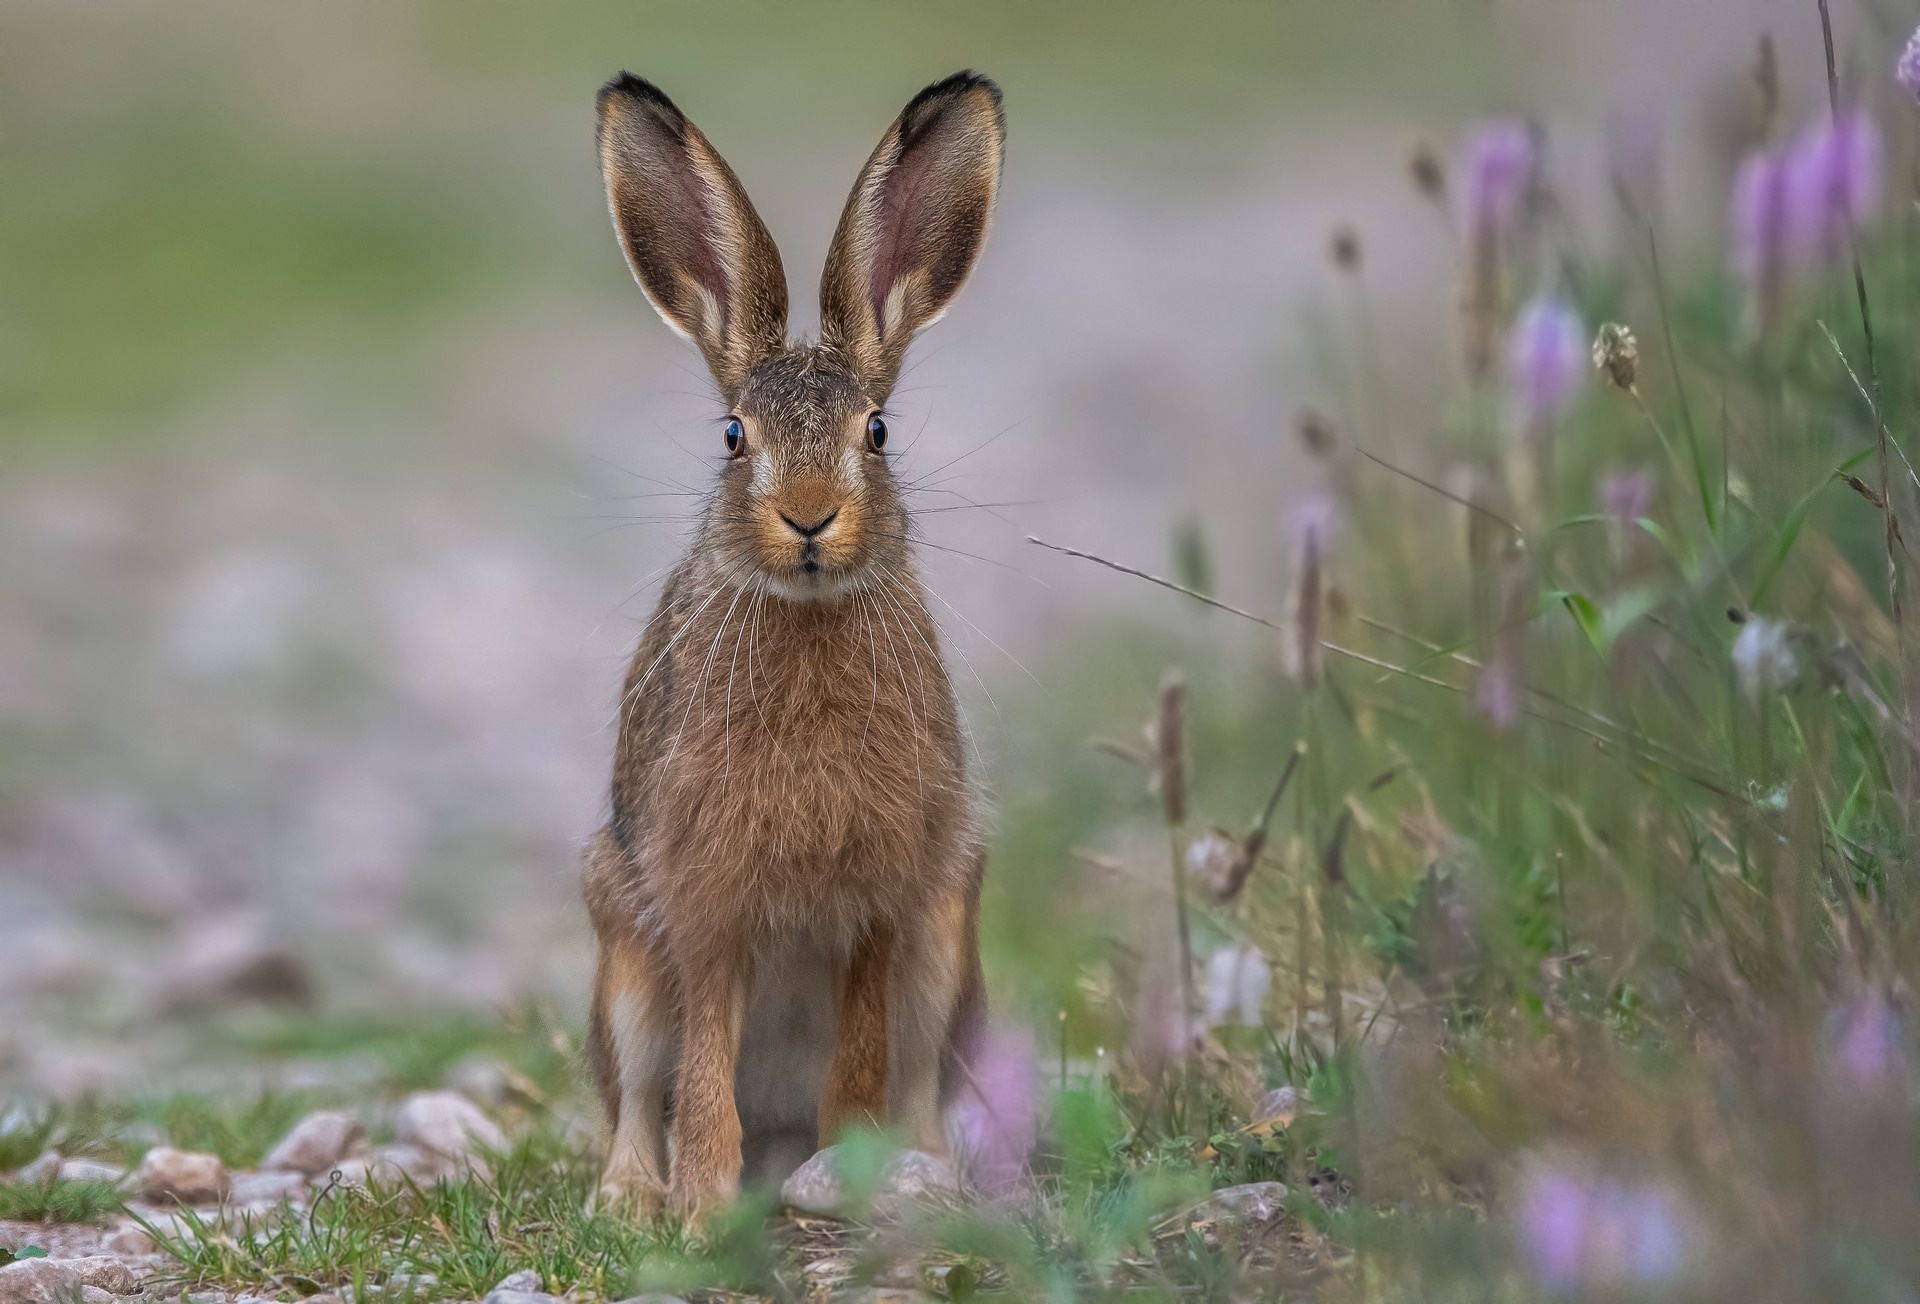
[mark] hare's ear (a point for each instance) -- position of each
(690, 234)
(913, 225)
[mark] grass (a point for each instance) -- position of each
(449, 1239)
(58, 1201)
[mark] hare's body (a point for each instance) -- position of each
(801, 705)
(786, 892)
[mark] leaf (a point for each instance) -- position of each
(1790, 528)
(1588, 617)
(1627, 609)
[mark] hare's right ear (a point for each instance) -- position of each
(691, 236)
(913, 225)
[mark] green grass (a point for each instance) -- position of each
(466, 1235)
(57, 1201)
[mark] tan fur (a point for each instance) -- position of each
(786, 895)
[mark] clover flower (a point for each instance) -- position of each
(1499, 171)
(1578, 1231)
(995, 1114)
(1546, 356)
(1906, 69)
(1627, 496)
(1867, 1053)
(1237, 982)
(1835, 175)
(1211, 859)
(1497, 693)
(1760, 198)
(1764, 657)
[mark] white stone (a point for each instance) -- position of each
(256, 1190)
(316, 1143)
(521, 1297)
(525, 1280)
(91, 1170)
(104, 1271)
(182, 1175)
(40, 1281)
(447, 1124)
(910, 1177)
(40, 1171)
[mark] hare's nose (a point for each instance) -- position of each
(808, 531)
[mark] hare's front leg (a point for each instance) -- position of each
(856, 1088)
(713, 977)
(938, 1006)
(633, 1037)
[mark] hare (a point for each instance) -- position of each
(786, 893)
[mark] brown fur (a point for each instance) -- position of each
(786, 895)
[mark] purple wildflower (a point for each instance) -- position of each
(1867, 1053)
(1581, 1231)
(995, 1113)
(1906, 70)
(1313, 525)
(1834, 183)
(1760, 198)
(1627, 496)
(1237, 982)
(1498, 693)
(1554, 1212)
(1501, 161)
(1546, 362)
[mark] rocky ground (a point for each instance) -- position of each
(848, 1228)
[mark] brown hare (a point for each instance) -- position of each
(786, 893)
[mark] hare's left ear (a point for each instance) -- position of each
(913, 225)
(690, 234)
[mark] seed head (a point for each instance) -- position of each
(1428, 173)
(1312, 524)
(1344, 247)
(1169, 742)
(1616, 354)
(1316, 432)
(1766, 78)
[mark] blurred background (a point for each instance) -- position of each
(340, 457)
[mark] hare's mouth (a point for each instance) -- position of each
(813, 576)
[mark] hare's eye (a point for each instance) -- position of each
(736, 436)
(876, 433)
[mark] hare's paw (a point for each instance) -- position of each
(629, 1189)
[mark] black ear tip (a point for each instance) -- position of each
(960, 83)
(641, 92)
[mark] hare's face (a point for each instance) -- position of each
(807, 503)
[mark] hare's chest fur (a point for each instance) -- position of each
(803, 774)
